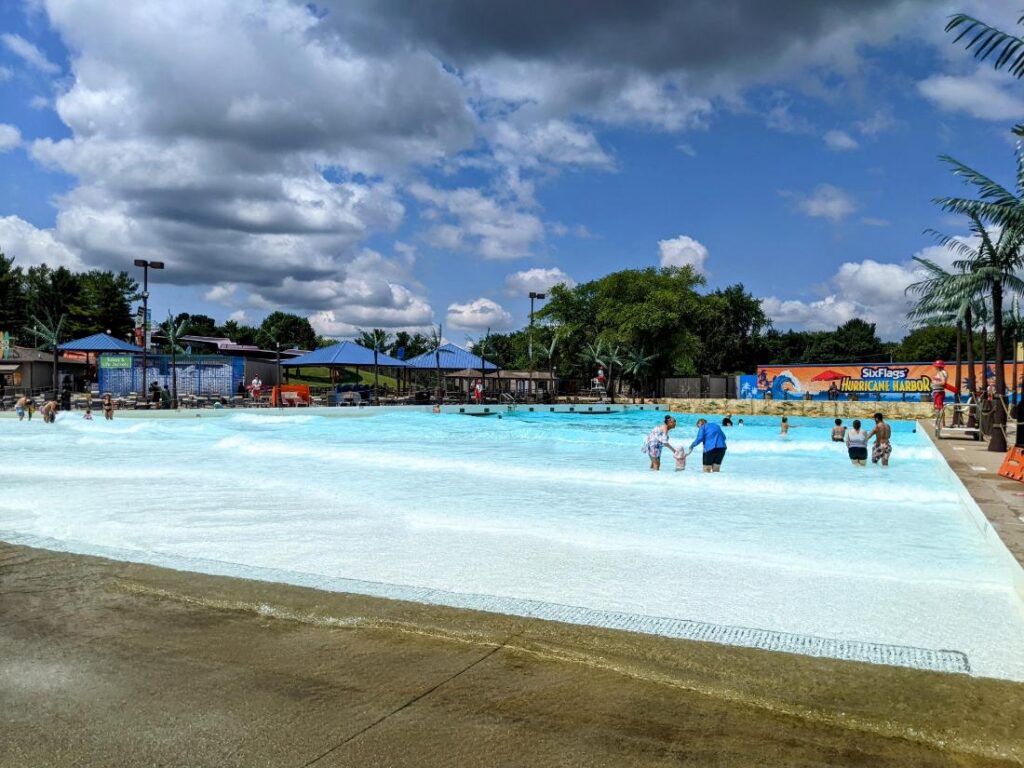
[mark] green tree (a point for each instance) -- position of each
(197, 325)
(12, 296)
(287, 328)
(379, 341)
(728, 323)
(105, 299)
(930, 342)
(238, 333)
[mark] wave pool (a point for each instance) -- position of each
(548, 515)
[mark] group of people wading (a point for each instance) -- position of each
(712, 437)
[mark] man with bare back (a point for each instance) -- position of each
(882, 434)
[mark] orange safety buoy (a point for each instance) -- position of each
(1013, 465)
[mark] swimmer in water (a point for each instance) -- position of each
(785, 426)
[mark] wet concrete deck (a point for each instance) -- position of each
(1000, 499)
(106, 663)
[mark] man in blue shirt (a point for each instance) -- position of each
(713, 438)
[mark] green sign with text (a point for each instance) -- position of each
(115, 361)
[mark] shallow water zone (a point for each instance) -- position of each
(554, 515)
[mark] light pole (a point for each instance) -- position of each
(280, 400)
(146, 266)
(533, 295)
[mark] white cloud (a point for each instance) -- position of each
(984, 95)
(10, 137)
(840, 141)
(879, 122)
(537, 279)
(868, 289)
(827, 202)
(478, 315)
(28, 53)
(554, 141)
(30, 246)
(39, 102)
(239, 316)
(5, 74)
(780, 118)
(873, 221)
(225, 293)
(470, 220)
(683, 251)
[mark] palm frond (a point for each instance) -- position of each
(990, 190)
(984, 40)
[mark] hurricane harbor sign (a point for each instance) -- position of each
(891, 381)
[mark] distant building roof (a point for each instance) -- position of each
(32, 355)
(99, 342)
(345, 353)
(452, 358)
(470, 373)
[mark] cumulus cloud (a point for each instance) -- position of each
(10, 137)
(478, 315)
(537, 279)
(826, 202)
(982, 94)
(29, 53)
(869, 289)
(468, 219)
(840, 141)
(554, 141)
(30, 246)
(683, 251)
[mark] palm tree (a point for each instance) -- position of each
(592, 355)
(637, 364)
(174, 333)
(549, 354)
(436, 342)
(993, 266)
(48, 332)
(613, 357)
(378, 339)
(947, 297)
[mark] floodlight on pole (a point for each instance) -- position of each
(533, 296)
(146, 266)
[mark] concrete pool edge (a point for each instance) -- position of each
(140, 626)
(978, 517)
(594, 409)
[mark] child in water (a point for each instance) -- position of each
(88, 414)
(785, 426)
(680, 459)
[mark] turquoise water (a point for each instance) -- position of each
(555, 508)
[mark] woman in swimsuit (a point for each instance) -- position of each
(657, 439)
(108, 407)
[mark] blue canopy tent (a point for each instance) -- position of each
(347, 354)
(99, 343)
(449, 357)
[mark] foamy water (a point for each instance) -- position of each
(558, 508)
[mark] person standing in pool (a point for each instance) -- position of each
(857, 444)
(784, 427)
(713, 438)
(882, 448)
(839, 431)
(657, 439)
(21, 407)
(108, 407)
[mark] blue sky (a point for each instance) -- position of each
(367, 164)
